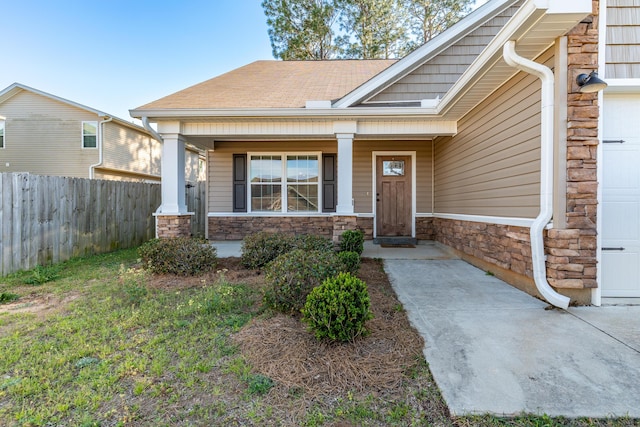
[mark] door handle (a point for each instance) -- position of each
(613, 249)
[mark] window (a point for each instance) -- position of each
(284, 183)
(1, 133)
(89, 134)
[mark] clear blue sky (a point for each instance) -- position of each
(117, 55)
(120, 54)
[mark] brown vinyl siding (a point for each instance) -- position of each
(363, 172)
(491, 167)
(437, 76)
(219, 168)
(623, 39)
(43, 136)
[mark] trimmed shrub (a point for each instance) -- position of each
(291, 276)
(352, 241)
(182, 256)
(338, 309)
(309, 242)
(261, 248)
(351, 261)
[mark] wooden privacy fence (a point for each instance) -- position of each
(45, 219)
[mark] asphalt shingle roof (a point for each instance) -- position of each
(275, 84)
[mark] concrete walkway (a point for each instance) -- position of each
(494, 349)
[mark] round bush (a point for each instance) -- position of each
(352, 241)
(182, 256)
(261, 248)
(310, 242)
(290, 277)
(338, 309)
(351, 261)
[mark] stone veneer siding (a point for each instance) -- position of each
(238, 227)
(505, 246)
(425, 229)
(173, 226)
(571, 253)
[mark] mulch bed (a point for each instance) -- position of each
(282, 348)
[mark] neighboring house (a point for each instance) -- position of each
(47, 135)
(481, 139)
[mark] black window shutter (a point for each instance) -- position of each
(329, 183)
(239, 182)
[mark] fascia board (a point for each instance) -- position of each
(184, 113)
(424, 53)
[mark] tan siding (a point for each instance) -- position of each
(130, 150)
(219, 173)
(219, 169)
(623, 39)
(492, 166)
(437, 76)
(43, 136)
(363, 171)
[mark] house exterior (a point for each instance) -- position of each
(47, 135)
(482, 139)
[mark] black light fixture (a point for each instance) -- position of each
(590, 83)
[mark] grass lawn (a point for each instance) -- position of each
(99, 342)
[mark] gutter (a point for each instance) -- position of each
(152, 131)
(546, 168)
(100, 148)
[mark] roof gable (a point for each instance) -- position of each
(14, 89)
(438, 73)
(430, 50)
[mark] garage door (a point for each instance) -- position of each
(621, 196)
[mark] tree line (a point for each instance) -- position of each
(356, 29)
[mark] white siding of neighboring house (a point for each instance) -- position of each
(131, 152)
(623, 39)
(44, 136)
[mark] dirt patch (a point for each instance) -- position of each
(39, 304)
(282, 348)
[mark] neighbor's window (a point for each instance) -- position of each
(271, 192)
(1, 133)
(89, 134)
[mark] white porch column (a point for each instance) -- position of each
(173, 171)
(345, 173)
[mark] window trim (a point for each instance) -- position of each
(82, 135)
(284, 183)
(3, 122)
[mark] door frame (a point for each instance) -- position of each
(374, 160)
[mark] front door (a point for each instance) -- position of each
(393, 196)
(621, 196)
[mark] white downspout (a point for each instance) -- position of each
(546, 168)
(100, 147)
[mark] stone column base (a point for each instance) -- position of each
(173, 225)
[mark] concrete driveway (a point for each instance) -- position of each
(494, 349)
